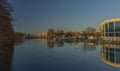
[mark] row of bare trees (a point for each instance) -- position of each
(61, 34)
(89, 31)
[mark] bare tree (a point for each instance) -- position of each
(51, 33)
(90, 30)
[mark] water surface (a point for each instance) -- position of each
(41, 55)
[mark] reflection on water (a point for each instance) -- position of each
(39, 58)
(60, 44)
(110, 54)
(87, 46)
(61, 55)
(19, 42)
(6, 54)
(51, 44)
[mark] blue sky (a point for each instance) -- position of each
(33, 16)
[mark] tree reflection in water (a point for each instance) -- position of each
(51, 44)
(60, 43)
(87, 46)
(6, 55)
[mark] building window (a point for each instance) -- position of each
(107, 55)
(112, 57)
(111, 34)
(103, 29)
(118, 50)
(117, 57)
(111, 27)
(117, 34)
(117, 29)
(106, 34)
(111, 49)
(106, 27)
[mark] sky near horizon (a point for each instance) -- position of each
(33, 16)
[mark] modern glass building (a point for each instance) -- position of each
(110, 29)
(110, 54)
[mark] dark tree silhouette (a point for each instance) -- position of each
(6, 55)
(6, 30)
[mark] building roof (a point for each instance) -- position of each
(110, 20)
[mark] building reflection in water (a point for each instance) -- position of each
(110, 54)
(6, 55)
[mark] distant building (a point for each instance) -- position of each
(110, 29)
(42, 35)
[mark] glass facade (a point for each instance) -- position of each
(117, 57)
(111, 34)
(117, 34)
(106, 34)
(103, 28)
(106, 27)
(110, 30)
(117, 27)
(111, 27)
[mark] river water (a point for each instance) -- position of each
(43, 55)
